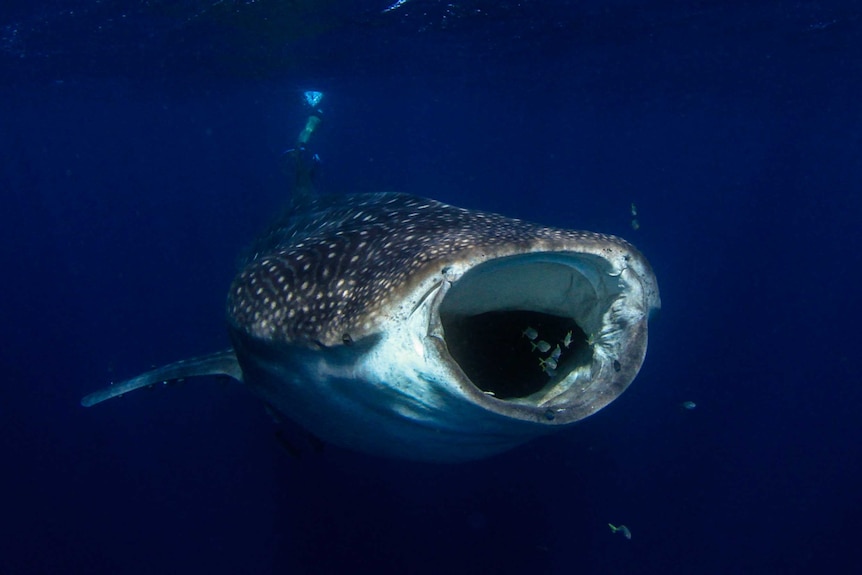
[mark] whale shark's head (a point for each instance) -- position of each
(405, 327)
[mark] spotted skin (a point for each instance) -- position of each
(328, 271)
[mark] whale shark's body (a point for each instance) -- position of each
(405, 327)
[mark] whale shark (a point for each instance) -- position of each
(405, 327)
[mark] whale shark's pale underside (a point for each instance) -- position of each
(405, 327)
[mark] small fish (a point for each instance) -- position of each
(530, 333)
(621, 529)
(636, 225)
(688, 405)
(634, 209)
(541, 345)
(567, 340)
(548, 365)
(555, 355)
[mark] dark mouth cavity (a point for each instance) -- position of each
(515, 353)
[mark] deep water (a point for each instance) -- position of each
(140, 154)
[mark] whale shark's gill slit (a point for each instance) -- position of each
(499, 358)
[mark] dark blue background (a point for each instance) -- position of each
(139, 156)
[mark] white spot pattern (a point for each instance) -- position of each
(334, 267)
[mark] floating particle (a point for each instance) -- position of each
(688, 405)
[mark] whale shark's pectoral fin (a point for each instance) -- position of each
(219, 363)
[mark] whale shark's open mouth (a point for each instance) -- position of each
(537, 329)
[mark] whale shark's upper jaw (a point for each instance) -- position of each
(477, 333)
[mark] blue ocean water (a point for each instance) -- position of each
(140, 147)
